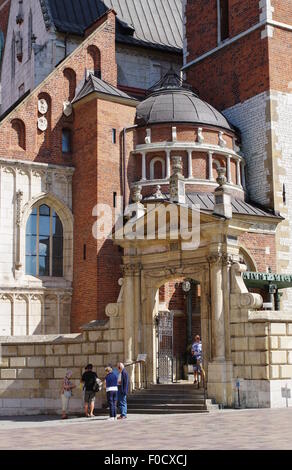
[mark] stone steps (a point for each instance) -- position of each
(169, 399)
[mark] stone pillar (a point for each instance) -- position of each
(137, 324)
(217, 305)
(129, 313)
(228, 161)
(238, 174)
(190, 164)
(243, 174)
(167, 164)
(144, 174)
(210, 166)
(220, 370)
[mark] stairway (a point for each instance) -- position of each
(169, 399)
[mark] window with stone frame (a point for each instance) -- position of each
(30, 33)
(66, 141)
(44, 243)
(223, 20)
(13, 52)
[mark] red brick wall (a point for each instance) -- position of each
(4, 15)
(56, 87)
(256, 244)
(239, 71)
(280, 47)
(282, 11)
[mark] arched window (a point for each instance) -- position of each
(157, 168)
(93, 63)
(70, 79)
(66, 141)
(18, 134)
(44, 243)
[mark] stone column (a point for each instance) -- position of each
(238, 175)
(210, 166)
(243, 174)
(220, 370)
(137, 323)
(144, 173)
(190, 164)
(217, 306)
(129, 313)
(228, 161)
(167, 164)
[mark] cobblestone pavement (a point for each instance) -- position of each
(223, 430)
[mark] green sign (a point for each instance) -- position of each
(282, 281)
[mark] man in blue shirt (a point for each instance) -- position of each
(123, 387)
(198, 357)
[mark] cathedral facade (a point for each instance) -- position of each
(212, 146)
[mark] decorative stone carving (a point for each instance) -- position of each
(221, 140)
(148, 136)
(137, 194)
(67, 108)
(174, 134)
(158, 194)
(115, 310)
(19, 198)
(176, 182)
(221, 180)
(240, 299)
(201, 138)
(49, 181)
(43, 106)
(42, 124)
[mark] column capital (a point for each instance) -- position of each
(130, 270)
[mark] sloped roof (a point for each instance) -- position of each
(157, 23)
(206, 202)
(94, 84)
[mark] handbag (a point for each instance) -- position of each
(97, 385)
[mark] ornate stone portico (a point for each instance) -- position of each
(149, 264)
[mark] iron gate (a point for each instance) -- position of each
(165, 347)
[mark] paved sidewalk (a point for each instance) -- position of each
(233, 429)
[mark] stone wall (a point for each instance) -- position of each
(32, 368)
(262, 357)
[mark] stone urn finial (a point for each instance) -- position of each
(221, 180)
(177, 165)
(137, 194)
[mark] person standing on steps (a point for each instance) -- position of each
(89, 380)
(197, 354)
(123, 388)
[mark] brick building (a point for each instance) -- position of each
(83, 136)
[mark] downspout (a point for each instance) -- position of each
(125, 130)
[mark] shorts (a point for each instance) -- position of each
(89, 397)
(198, 367)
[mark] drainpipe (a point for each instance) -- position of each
(125, 130)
